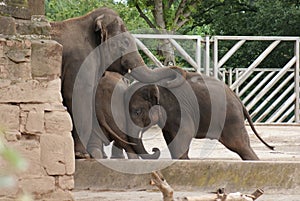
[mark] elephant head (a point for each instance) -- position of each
(142, 111)
(121, 49)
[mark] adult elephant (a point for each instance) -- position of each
(203, 108)
(101, 37)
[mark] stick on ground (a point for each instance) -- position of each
(158, 180)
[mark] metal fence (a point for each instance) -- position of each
(270, 94)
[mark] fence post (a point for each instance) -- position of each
(215, 71)
(198, 54)
(297, 80)
(207, 58)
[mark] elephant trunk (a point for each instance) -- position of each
(147, 75)
(139, 149)
(142, 73)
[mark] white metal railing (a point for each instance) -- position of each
(194, 62)
(270, 99)
(252, 83)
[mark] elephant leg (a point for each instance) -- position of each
(95, 147)
(80, 151)
(132, 155)
(238, 143)
(116, 151)
(177, 145)
(179, 142)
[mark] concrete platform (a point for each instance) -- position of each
(191, 175)
(212, 167)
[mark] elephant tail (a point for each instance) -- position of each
(246, 114)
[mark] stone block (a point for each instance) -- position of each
(40, 25)
(40, 185)
(8, 192)
(18, 71)
(9, 117)
(57, 155)
(32, 91)
(15, 59)
(66, 182)
(35, 122)
(22, 9)
(57, 122)
(54, 107)
(46, 59)
(69, 154)
(32, 118)
(37, 7)
(19, 55)
(7, 25)
(11, 136)
(37, 26)
(59, 194)
(30, 150)
(4, 82)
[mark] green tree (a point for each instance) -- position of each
(58, 10)
(165, 16)
(252, 18)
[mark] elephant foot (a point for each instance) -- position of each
(132, 156)
(80, 155)
(97, 153)
(117, 153)
(80, 151)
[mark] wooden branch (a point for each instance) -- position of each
(180, 24)
(142, 14)
(179, 10)
(159, 14)
(158, 180)
(256, 194)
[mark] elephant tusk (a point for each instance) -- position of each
(140, 134)
(129, 70)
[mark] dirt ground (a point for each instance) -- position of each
(286, 140)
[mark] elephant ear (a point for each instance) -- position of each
(99, 27)
(151, 94)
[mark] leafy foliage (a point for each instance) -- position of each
(58, 10)
(214, 17)
(250, 18)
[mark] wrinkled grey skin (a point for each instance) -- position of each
(111, 89)
(110, 83)
(80, 36)
(233, 134)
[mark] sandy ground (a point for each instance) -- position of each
(286, 139)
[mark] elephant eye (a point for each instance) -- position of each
(138, 112)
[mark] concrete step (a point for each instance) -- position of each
(199, 175)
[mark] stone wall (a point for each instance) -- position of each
(22, 9)
(35, 122)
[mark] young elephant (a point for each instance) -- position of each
(110, 93)
(202, 108)
(109, 83)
